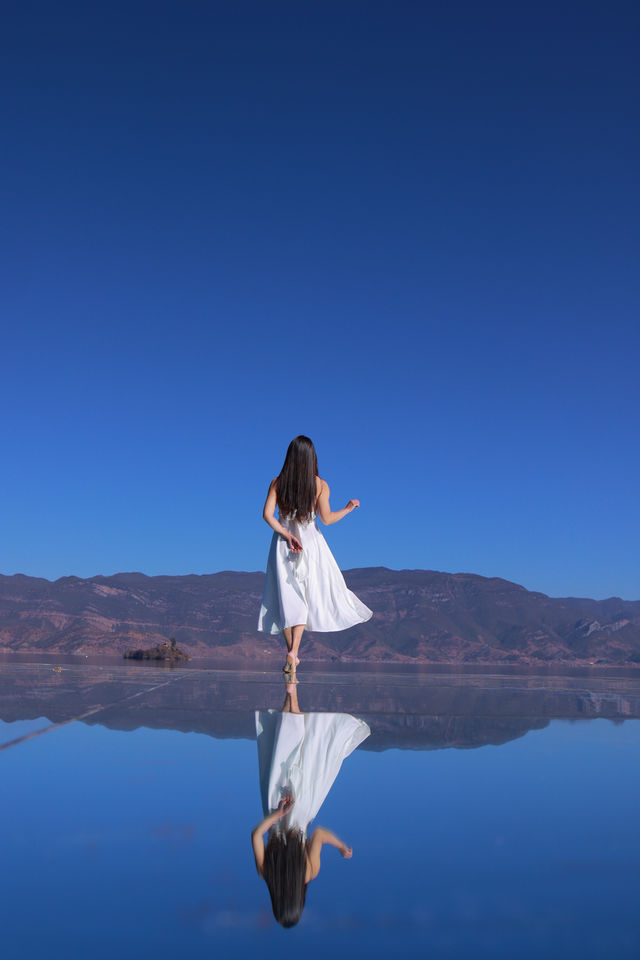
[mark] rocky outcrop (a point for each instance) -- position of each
(167, 652)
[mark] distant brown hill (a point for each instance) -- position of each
(420, 616)
(406, 708)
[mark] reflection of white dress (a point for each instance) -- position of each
(301, 754)
(308, 586)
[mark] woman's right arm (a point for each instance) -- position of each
(268, 512)
(327, 515)
(257, 834)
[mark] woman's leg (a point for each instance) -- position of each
(293, 636)
(290, 661)
(293, 697)
(296, 637)
(290, 704)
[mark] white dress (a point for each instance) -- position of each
(300, 754)
(308, 586)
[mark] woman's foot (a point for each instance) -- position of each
(289, 667)
(291, 663)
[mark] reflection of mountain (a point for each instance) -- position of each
(433, 733)
(419, 615)
(410, 712)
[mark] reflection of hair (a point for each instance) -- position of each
(296, 486)
(284, 869)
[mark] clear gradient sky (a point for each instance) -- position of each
(408, 230)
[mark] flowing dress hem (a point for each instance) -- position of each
(275, 629)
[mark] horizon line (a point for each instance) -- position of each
(173, 576)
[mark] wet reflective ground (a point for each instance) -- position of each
(490, 814)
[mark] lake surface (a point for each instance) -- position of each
(491, 814)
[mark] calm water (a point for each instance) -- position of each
(489, 815)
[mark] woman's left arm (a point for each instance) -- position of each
(319, 837)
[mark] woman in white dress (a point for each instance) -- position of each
(304, 587)
(299, 756)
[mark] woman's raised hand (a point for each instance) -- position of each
(347, 852)
(285, 805)
(352, 505)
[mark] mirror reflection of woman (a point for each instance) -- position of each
(299, 756)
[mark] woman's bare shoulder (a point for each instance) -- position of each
(321, 485)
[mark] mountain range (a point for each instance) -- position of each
(420, 616)
(406, 708)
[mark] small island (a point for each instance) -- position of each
(163, 651)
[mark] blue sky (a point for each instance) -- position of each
(409, 231)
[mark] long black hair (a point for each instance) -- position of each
(285, 869)
(296, 486)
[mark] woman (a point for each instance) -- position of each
(304, 587)
(299, 756)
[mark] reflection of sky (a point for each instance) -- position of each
(137, 843)
(11, 731)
